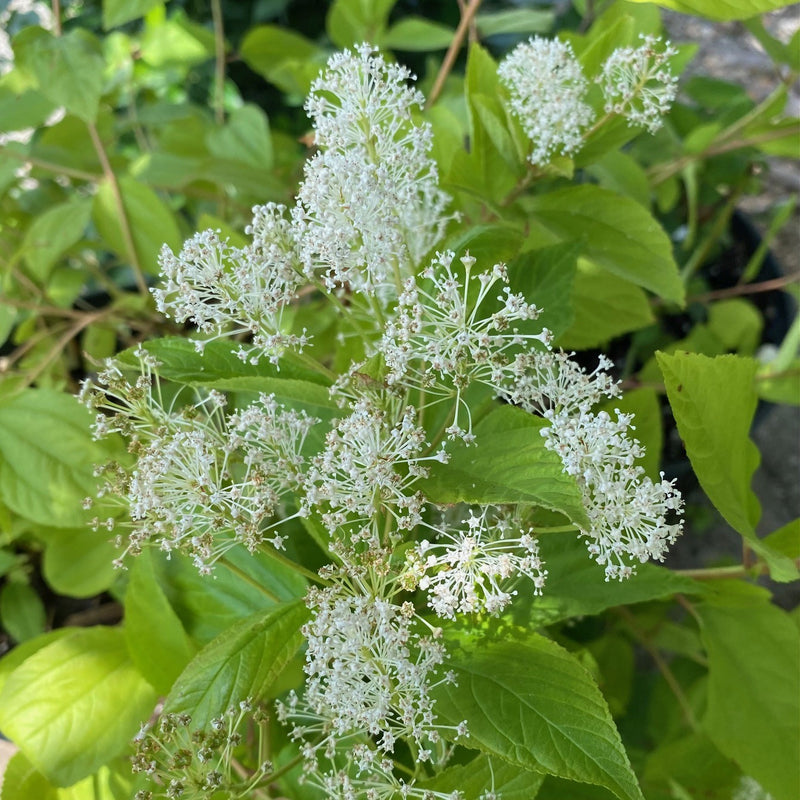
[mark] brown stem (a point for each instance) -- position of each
(745, 289)
(56, 6)
(662, 665)
(68, 336)
(219, 67)
(124, 222)
(467, 16)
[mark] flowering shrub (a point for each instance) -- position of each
(358, 505)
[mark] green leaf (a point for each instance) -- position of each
(545, 277)
(713, 400)
(351, 22)
(510, 464)
(219, 367)
(417, 34)
(118, 12)
(28, 109)
(22, 612)
(620, 235)
(576, 585)
(722, 9)
(534, 705)
(53, 233)
(517, 20)
(11, 660)
(282, 57)
(696, 764)
(68, 69)
(47, 457)
(79, 562)
(605, 306)
(22, 781)
(151, 222)
(754, 688)
(243, 661)
(157, 641)
(244, 137)
(176, 41)
(483, 773)
(242, 584)
(643, 403)
(75, 704)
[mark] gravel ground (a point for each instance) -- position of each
(729, 51)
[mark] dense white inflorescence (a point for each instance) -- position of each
(637, 83)
(370, 205)
(547, 91)
(468, 569)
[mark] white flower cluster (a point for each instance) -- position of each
(627, 511)
(467, 571)
(226, 290)
(370, 205)
(449, 332)
(368, 209)
(548, 91)
(358, 473)
(203, 481)
(638, 84)
(547, 88)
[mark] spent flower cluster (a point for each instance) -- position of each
(431, 338)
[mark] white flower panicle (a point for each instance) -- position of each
(545, 381)
(547, 88)
(638, 84)
(370, 206)
(629, 514)
(203, 481)
(369, 466)
(447, 335)
(225, 290)
(469, 570)
(369, 669)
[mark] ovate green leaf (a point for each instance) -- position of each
(722, 9)
(75, 704)
(417, 33)
(78, 562)
(118, 12)
(605, 306)
(754, 688)
(534, 705)
(157, 641)
(22, 612)
(713, 400)
(151, 222)
(47, 457)
(510, 464)
(22, 781)
(242, 662)
(621, 235)
(68, 69)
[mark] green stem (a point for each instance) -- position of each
(467, 16)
